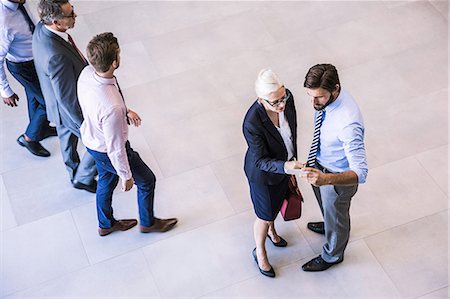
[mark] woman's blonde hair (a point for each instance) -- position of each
(266, 83)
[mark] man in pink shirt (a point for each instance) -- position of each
(104, 132)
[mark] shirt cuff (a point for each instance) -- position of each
(7, 92)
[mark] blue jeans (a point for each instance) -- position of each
(108, 179)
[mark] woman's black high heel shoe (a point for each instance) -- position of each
(270, 273)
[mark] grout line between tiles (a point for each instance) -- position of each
(151, 272)
(435, 290)
(81, 239)
(406, 157)
(381, 266)
(397, 226)
(432, 178)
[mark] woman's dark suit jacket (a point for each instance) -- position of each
(266, 154)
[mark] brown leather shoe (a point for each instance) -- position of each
(124, 224)
(160, 226)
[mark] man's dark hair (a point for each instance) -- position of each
(50, 10)
(322, 75)
(102, 51)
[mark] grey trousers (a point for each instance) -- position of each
(83, 171)
(334, 202)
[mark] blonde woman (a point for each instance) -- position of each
(270, 129)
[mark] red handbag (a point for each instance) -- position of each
(291, 208)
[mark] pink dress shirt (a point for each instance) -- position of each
(104, 128)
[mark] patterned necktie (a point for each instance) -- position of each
(315, 144)
(27, 17)
(121, 94)
(76, 48)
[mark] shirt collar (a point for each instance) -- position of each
(336, 103)
(102, 80)
(11, 5)
(63, 35)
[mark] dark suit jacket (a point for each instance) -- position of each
(58, 66)
(266, 154)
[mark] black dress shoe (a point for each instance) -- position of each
(318, 264)
(317, 227)
(270, 273)
(281, 243)
(33, 146)
(90, 188)
(49, 132)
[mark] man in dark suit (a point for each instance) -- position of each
(58, 64)
(16, 31)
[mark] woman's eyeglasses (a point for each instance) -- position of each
(280, 100)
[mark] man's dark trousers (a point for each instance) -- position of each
(108, 179)
(25, 73)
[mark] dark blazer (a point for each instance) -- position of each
(266, 154)
(58, 66)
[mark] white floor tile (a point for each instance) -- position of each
(40, 251)
(394, 194)
(217, 255)
(231, 176)
(413, 254)
(127, 276)
(200, 45)
(390, 140)
(176, 98)
(290, 282)
(435, 163)
(441, 293)
(52, 191)
(361, 276)
(198, 141)
(8, 220)
(441, 6)
(195, 198)
(370, 37)
(130, 73)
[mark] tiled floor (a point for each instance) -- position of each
(188, 68)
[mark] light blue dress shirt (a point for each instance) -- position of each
(342, 137)
(15, 41)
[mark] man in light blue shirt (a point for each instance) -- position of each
(16, 29)
(336, 162)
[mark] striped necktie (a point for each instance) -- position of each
(315, 144)
(27, 17)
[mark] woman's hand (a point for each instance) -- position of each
(289, 165)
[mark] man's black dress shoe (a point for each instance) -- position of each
(90, 188)
(281, 243)
(49, 132)
(33, 146)
(318, 264)
(270, 273)
(317, 227)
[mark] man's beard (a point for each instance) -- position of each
(321, 107)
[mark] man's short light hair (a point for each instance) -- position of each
(266, 83)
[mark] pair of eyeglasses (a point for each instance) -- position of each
(280, 100)
(72, 14)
